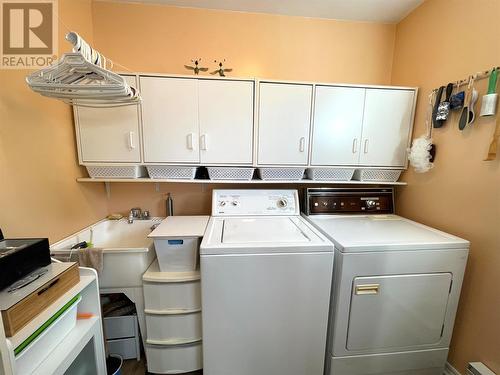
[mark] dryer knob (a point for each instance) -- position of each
(370, 204)
(235, 203)
(222, 203)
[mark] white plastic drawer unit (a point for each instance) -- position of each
(174, 359)
(172, 296)
(127, 348)
(118, 327)
(166, 329)
(397, 311)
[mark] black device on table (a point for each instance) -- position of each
(21, 256)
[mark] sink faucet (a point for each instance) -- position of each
(135, 213)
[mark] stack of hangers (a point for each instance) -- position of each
(81, 78)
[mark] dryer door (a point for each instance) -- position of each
(397, 311)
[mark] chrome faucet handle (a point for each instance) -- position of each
(146, 215)
(136, 212)
(130, 217)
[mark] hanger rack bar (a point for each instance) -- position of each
(477, 76)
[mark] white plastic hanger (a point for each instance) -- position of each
(81, 78)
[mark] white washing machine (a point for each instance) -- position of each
(266, 281)
(396, 285)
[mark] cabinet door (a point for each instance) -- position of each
(386, 127)
(338, 119)
(397, 311)
(226, 121)
(170, 120)
(109, 134)
(284, 123)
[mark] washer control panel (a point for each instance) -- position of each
(349, 201)
(255, 202)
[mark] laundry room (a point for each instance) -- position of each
(249, 187)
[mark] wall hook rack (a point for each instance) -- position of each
(477, 76)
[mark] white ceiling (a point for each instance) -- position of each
(388, 11)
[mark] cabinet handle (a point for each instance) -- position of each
(203, 142)
(131, 144)
(365, 148)
(354, 145)
(302, 144)
(190, 141)
(367, 289)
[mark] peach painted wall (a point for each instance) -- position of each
(156, 38)
(38, 166)
(442, 41)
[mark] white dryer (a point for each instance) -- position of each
(266, 281)
(396, 285)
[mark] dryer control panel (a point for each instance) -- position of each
(255, 203)
(349, 201)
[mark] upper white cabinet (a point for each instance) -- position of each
(284, 123)
(338, 120)
(226, 121)
(109, 134)
(210, 121)
(170, 120)
(187, 120)
(387, 125)
(361, 126)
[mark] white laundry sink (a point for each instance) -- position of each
(127, 251)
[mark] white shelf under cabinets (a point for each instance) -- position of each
(255, 181)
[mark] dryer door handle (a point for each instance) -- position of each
(367, 289)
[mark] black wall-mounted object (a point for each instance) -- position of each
(435, 122)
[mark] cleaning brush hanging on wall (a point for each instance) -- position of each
(465, 100)
(422, 152)
(82, 78)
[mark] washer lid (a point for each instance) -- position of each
(262, 235)
(262, 230)
(383, 233)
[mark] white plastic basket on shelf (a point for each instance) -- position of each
(284, 174)
(230, 173)
(330, 174)
(172, 172)
(177, 254)
(383, 175)
(33, 354)
(116, 171)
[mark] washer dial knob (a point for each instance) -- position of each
(282, 203)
